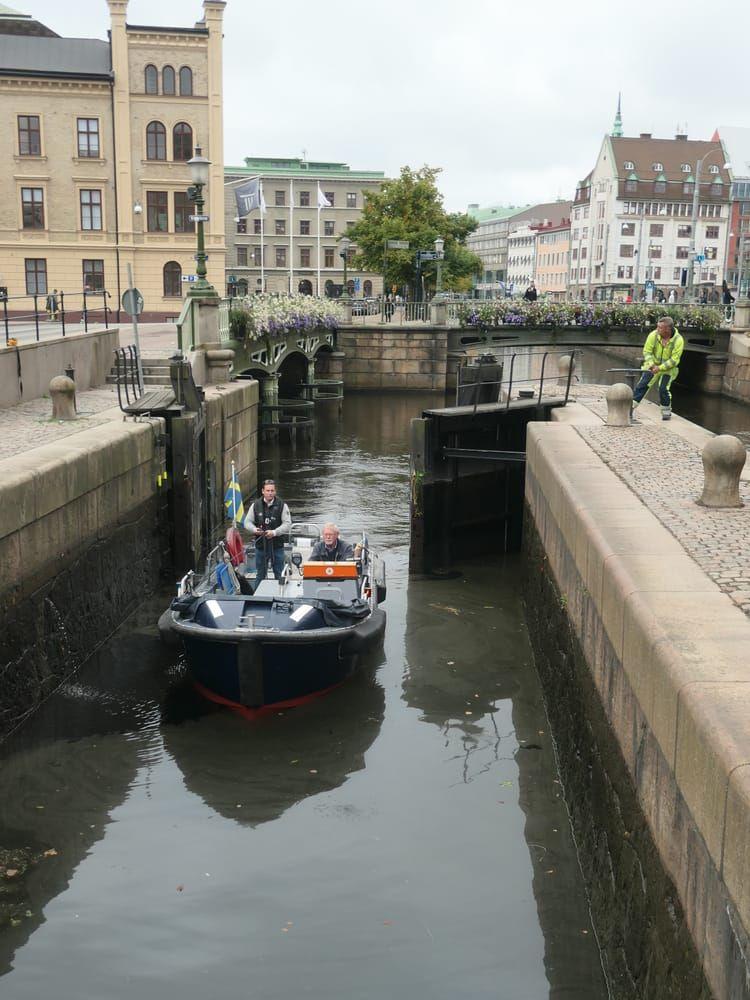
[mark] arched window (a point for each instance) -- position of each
(367, 288)
(186, 82)
(152, 80)
(156, 141)
(241, 287)
(182, 141)
(168, 80)
(172, 280)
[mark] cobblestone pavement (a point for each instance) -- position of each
(666, 472)
(30, 425)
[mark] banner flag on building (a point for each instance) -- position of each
(249, 196)
(323, 202)
(233, 499)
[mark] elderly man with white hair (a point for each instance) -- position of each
(331, 548)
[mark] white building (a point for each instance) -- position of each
(521, 258)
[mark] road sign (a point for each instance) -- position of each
(190, 277)
(197, 256)
(699, 258)
(198, 218)
(132, 302)
(428, 255)
(397, 244)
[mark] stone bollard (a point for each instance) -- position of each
(619, 402)
(218, 364)
(565, 364)
(723, 460)
(62, 391)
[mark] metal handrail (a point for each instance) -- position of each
(60, 313)
(512, 383)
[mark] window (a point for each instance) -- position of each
(91, 209)
(328, 229)
(626, 249)
(682, 253)
(627, 229)
(631, 186)
(351, 199)
(686, 168)
(628, 165)
(712, 232)
(156, 211)
(328, 257)
(660, 187)
(256, 226)
(710, 253)
(256, 256)
(716, 188)
(656, 273)
(93, 275)
(654, 253)
(241, 256)
(182, 142)
(152, 80)
(713, 169)
(657, 167)
(88, 137)
(186, 82)
(683, 232)
(280, 256)
(304, 257)
(575, 253)
(350, 225)
(279, 198)
(280, 227)
(168, 80)
(585, 233)
(304, 199)
(183, 208)
(688, 187)
(304, 227)
(32, 207)
(172, 280)
(584, 253)
(624, 272)
(330, 198)
(36, 276)
(241, 225)
(156, 141)
(656, 229)
(29, 136)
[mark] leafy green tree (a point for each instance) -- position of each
(410, 209)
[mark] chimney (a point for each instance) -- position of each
(682, 136)
(646, 135)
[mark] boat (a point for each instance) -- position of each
(283, 641)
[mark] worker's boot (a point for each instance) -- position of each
(633, 408)
(666, 413)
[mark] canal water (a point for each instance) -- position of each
(404, 836)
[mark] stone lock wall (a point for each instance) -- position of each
(394, 358)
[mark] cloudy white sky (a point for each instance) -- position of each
(510, 99)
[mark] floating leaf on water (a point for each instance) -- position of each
(506, 784)
(451, 663)
(468, 713)
(313, 770)
(51, 853)
(11, 872)
(446, 607)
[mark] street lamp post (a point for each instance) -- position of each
(344, 244)
(422, 255)
(440, 251)
(694, 217)
(199, 167)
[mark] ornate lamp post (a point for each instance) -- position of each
(344, 244)
(440, 252)
(199, 167)
(422, 255)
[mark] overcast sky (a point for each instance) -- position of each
(510, 100)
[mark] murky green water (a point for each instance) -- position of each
(402, 837)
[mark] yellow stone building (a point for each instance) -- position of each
(94, 167)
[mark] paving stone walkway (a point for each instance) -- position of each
(30, 425)
(666, 472)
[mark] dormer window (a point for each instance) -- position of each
(657, 167)
(628, 165)
(685, 168)
(713, 169)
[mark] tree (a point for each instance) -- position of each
(410, 209)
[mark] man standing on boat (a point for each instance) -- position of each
(331, 548)
(270, 521)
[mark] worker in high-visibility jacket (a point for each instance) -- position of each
(661, 358)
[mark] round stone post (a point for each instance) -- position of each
(619, 401)
(218, 363)
(723, 460)
(565, 363)
(62, 391)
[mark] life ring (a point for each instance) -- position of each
(235, 548)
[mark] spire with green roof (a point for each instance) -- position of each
(617, 126)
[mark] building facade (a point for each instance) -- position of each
(294, 245)
(553, 261)
(653, 215)
(96, 167)
(736, 146)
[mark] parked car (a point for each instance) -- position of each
(365, 307)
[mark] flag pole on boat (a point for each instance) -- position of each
(233, 499)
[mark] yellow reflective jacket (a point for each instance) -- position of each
(666, 356)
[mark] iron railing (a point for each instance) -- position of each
(42, 315)
(533, 385)
(127, 375)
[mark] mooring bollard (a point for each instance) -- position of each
(219, 363)
(619, 401)
(723, 460)
(62, 391)
(565, 364)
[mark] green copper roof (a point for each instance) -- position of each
(278, 166)
(494, 212)
(617, 125)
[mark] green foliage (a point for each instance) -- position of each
(518, 312)
(410, 208)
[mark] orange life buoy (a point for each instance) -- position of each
(235, 548)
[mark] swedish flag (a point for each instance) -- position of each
(233, 500)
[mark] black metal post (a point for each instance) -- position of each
(5, 318)
(62, 311)
(36, 315)
(85, 313)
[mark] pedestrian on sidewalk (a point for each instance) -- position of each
(661, 358)
(51, 304)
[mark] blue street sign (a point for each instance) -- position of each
(699, 257)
